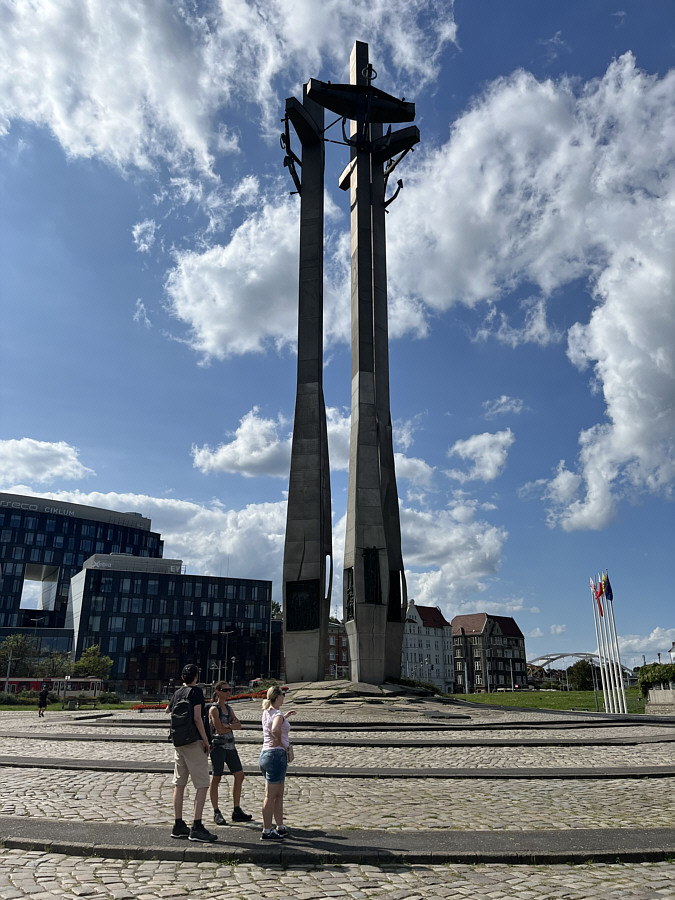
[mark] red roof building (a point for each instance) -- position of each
(488, 653)
(426, 654)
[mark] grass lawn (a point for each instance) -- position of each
(581, 700)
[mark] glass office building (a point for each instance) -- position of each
(73, 576)
(44, 543)
(151, 619)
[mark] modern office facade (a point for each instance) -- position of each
(489, 653)
(46, 542)
(141, 609)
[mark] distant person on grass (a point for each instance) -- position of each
(42, 702)
(224, 723)
(191, 754)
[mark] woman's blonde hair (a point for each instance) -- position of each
(272, 694)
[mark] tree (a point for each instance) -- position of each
(54, 664)
(580, 676)
(92, 663)
(655, 673)
(276, 609)
(22, 650)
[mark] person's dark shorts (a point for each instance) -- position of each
(222, 755)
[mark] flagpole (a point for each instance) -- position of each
(604, 674)
(597, 638)
(610, 603)
(612, 661)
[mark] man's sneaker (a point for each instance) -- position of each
(282, 830)
(272, 835)
(219, 818)
(180, 830)
(238, 815)
(199, 833)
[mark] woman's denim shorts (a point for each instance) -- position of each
(273, 765)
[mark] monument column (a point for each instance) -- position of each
(374, 583)
(308, 559)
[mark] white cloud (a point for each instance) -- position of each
(659, 640)
(137, 83)
(487, 452)
(558, 629)
(543, 183)
(41, 461)
(415, 470)
(534, 634)
(241, 297)
(141, 315)
(502, 406)
(448, 553)
(258, 448)
(338, 426)
(144, 235)
(535, 328)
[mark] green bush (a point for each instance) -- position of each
(108, 697)
(655, 673)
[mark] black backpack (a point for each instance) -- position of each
(183, 729)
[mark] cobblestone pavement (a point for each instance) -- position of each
(365, 757)
(45, 876)
(411, 805)
(416, 804)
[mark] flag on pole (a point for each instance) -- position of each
(596, 593)
(607, 587)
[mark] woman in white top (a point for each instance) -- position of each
(273, 763)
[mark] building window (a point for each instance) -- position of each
(116, 623)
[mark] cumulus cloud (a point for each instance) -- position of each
(543, 183)
(659, 640)
(137, 84)
(416, 470)
(449, 553)
(257, 448)
(534, 633)
(40, 461)
(241, 297)
(487, 453)
(558, 629)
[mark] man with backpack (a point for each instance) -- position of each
(191, 754)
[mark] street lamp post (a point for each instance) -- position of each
(227, 642)
(233, 661)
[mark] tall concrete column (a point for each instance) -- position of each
(308, 558)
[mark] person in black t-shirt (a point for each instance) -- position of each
(191, 760)
(42, 702)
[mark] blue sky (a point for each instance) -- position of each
(148, 251)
